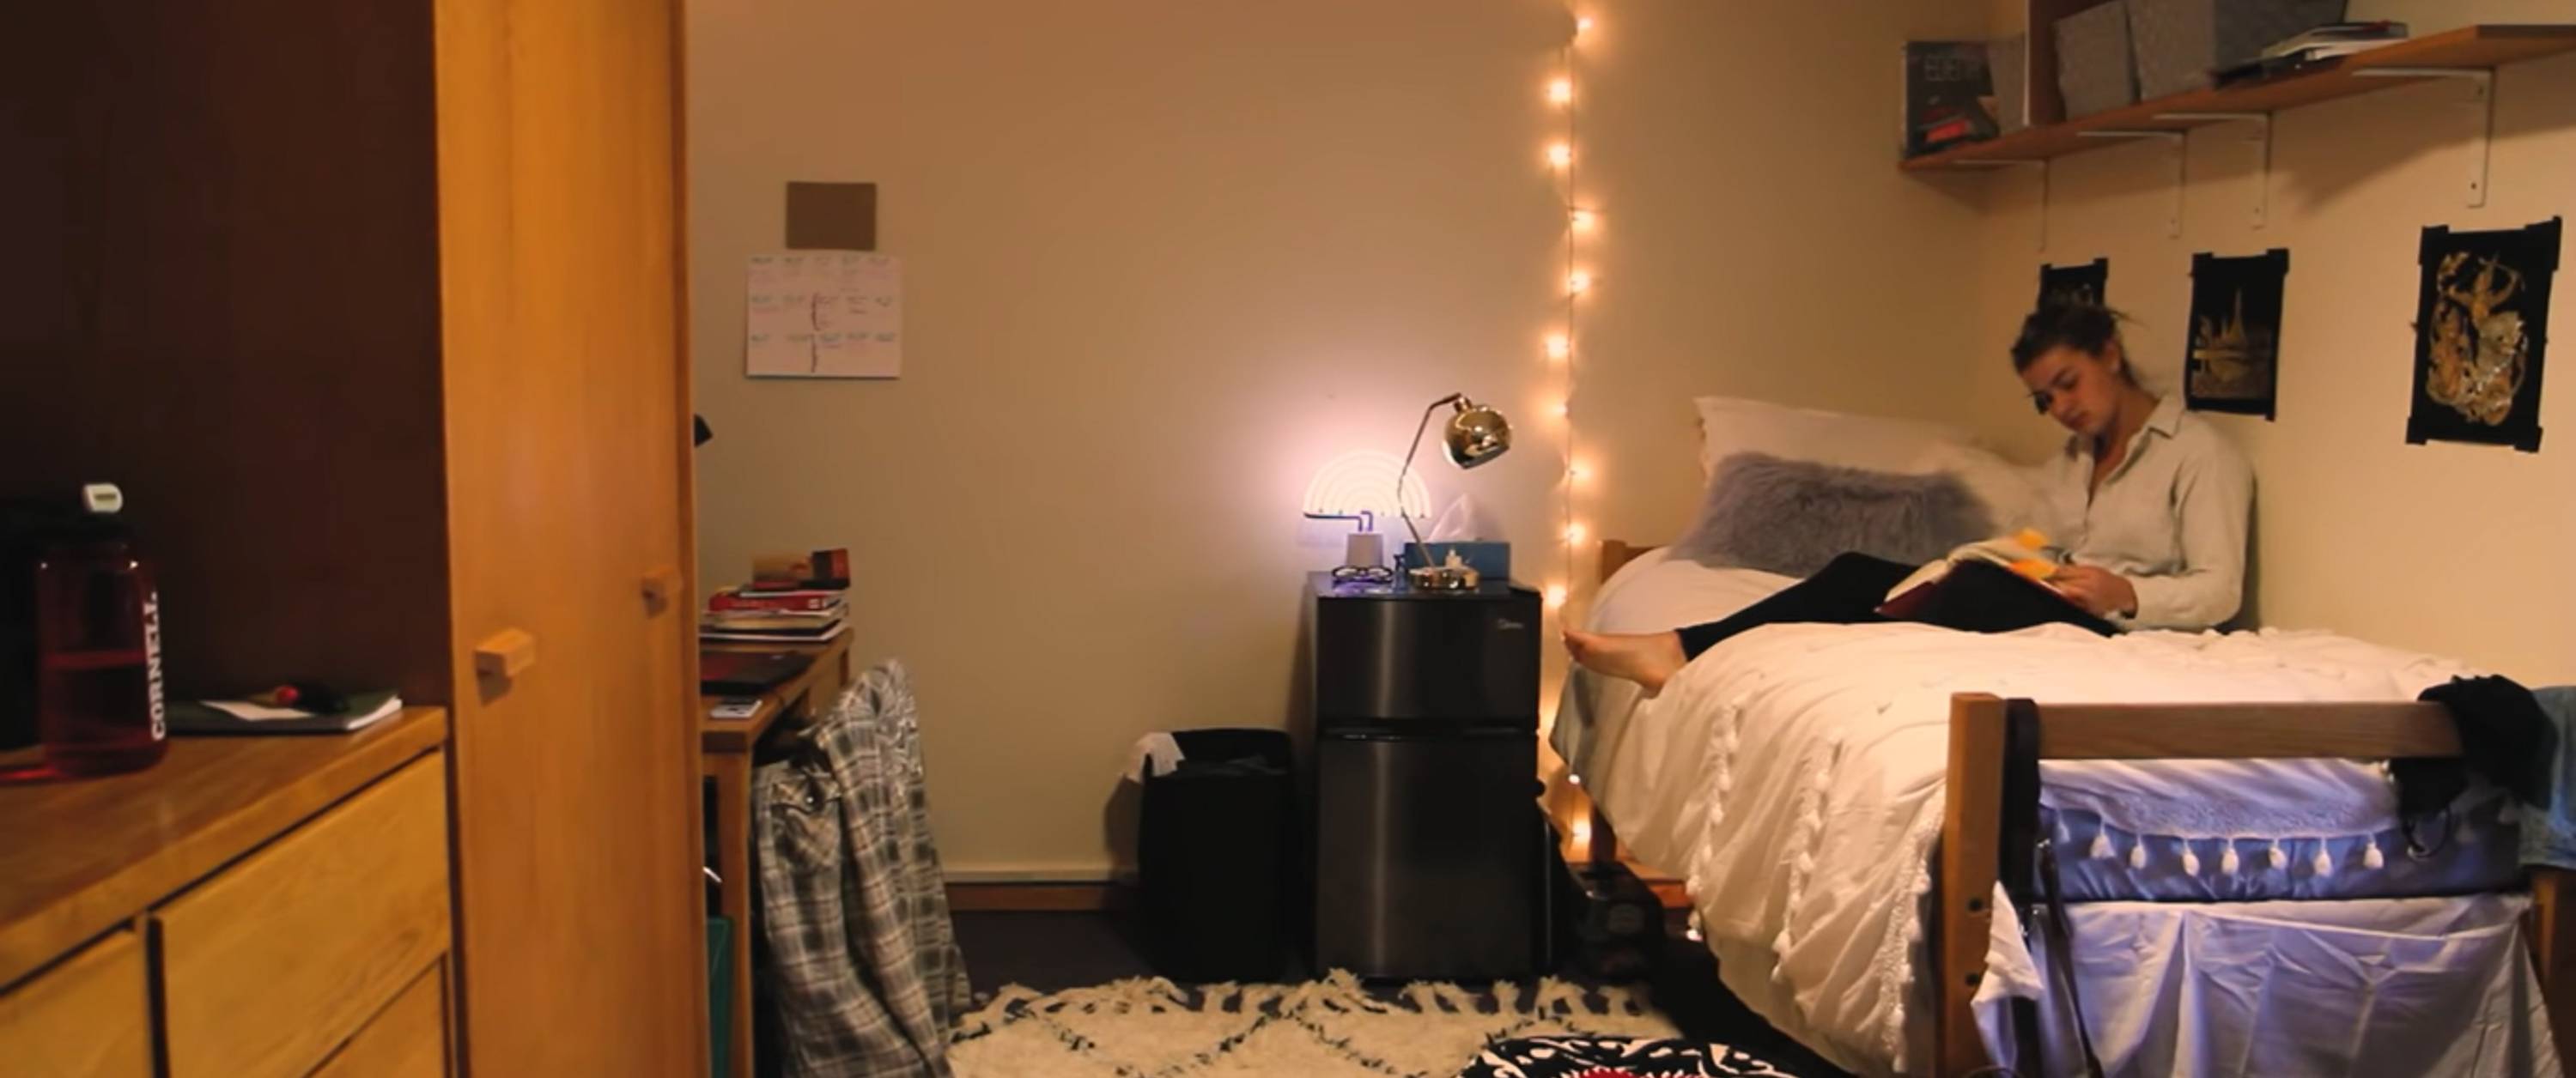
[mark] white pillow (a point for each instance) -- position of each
(1656, 591)
(2012, 493)
(1732, 425)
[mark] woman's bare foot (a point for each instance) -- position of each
(1649, 659)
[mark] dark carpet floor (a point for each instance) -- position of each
(1055, 951)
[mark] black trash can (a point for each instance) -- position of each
(1213, 857)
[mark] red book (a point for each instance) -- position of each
(745, 599)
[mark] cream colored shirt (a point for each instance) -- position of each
(2171, 518)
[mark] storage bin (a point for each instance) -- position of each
(2179, 42)
(719, 993)
(1213, 857)
(1610, 925)
(2095, 69)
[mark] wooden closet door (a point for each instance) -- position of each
(580, 911)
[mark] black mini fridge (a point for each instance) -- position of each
(1429, 845)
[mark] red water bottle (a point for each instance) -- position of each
(98, 650)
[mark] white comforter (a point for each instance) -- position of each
(1805, 811)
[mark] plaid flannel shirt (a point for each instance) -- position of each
(867, 976)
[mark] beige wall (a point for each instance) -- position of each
(2457, 549)
(1758, 239)
(1164, 260)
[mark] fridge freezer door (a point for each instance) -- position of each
(1428, 854)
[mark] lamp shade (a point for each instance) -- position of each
(1476, 434)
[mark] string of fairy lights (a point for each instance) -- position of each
(1563, 344)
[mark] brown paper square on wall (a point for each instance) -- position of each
(832, 216)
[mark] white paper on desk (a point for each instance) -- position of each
(251, 712)
(245, 710)
(823, 314)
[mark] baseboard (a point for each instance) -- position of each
(1033, 873)
(1040, 897)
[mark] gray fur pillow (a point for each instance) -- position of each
(1791, 517)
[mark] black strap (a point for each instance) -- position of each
(2020, 833)
(2027, 857)
(2017, 837)
(2061, 952)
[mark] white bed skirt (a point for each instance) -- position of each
(2398, 987)
(2211, 990)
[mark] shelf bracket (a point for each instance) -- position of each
(2181, 159)
(2260, 140)
(2481, 109)
(2039, 163)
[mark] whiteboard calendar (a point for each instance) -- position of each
(824, 314)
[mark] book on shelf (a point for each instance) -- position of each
(1949, 95)
(245, 717)
(2301, 51)
(2342, 37)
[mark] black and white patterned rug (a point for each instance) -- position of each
(1150, 1028)
(1615, 1057)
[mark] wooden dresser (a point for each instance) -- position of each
(251, 906)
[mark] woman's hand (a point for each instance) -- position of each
(2094, 588)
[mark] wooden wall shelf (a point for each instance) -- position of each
(2470, 48)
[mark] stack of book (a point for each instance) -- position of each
(2335, 39)
(2314, 46)
(782, 613)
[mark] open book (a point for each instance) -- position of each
(2026, 553)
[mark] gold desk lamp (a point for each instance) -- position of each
(1474, 434)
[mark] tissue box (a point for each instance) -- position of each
(1492, 561)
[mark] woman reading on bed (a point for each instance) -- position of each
(2156, 497)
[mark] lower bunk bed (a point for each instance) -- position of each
(2240, 895)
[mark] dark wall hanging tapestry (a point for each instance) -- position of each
(2481, 329)
(2233, 361)
(2088, 283)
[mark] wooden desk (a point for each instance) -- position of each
(725, 748)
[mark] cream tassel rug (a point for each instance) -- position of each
(1321, 1029)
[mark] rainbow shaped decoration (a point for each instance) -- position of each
(1361, 485)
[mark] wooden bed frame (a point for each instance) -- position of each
(1968, 858)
